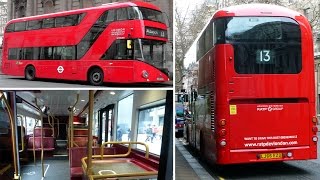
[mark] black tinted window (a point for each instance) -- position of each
(150, 14)
(64, 53)
(70, 20)
(48, 23)
(10, 27)
(118, 50)
(20, 26)
(32, 25)
(92, 35)
(264, 45)
(133, 12)
(110, 16)
(122, 14)
(13, 54)
(46, 53)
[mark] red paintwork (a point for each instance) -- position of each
(123, 71)
(295, 92)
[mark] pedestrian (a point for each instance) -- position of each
(129, 134)
(119, 134)
(154, 132)
(149, 133)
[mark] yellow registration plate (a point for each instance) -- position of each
(271, 156)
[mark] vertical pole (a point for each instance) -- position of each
(41, 145)
(13, 127)
(89, 167)
(166, 157)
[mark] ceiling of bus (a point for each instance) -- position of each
(58, 101)
(104, 98)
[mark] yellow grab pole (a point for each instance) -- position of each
(91, 97)
(21, 134)
(41, 118)
(13, 141)
(72, 118)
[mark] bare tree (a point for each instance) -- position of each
(188, 25)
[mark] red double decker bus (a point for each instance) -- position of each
(255, 100)
(117, 42)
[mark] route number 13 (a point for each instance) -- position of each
(265, 56)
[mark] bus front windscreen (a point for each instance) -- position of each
(262, 45)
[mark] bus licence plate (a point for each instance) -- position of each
(271, 156)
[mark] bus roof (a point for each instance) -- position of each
(256, 10)
(77, 11)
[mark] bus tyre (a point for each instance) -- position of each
(96, 77)
(30, 73)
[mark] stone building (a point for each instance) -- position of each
(22, 8)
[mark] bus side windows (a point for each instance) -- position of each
(20, 26)
(122, 14)
(46, 53)
(13, 54)
(64, 21)
(110, 16)
(64, 53)
(118, 50)
(10, 28)
(133, 13)
(48, 23)
(33, 25)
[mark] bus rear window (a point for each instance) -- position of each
(264, 45)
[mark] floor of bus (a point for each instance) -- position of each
(54, 168)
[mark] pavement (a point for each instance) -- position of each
(186, 166)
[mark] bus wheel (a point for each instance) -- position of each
(96, 77)
(30, 73)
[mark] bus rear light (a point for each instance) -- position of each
(315, 129)
(223, 143)
(314, 138)
(315, 120)
(289, 154)
(222, 122)
(145, 74)
(223, 132)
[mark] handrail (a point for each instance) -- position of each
(129, 148)
(91, 177)
(33, 142)
(101, 156)
(14, 144)
(50, 118)
(21, 133)
(71, 121)
(41, 117)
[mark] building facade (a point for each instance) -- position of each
(23, 8)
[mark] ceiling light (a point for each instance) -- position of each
(83, 100)
(112, 93)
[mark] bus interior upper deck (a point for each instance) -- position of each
(49, 134)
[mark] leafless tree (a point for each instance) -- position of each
(189, 23)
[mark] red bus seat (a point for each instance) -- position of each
(48, 144)
(47, 132)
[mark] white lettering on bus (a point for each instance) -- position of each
(270, 108)
(117, 32)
